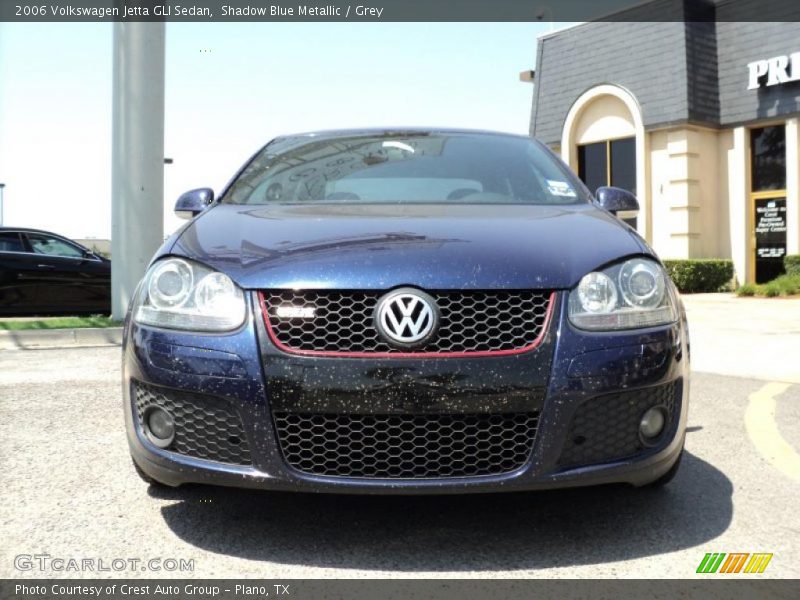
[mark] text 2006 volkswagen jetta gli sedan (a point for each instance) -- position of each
(406, 311)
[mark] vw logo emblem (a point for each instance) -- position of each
(406, 317)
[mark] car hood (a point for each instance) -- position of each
(429, 246)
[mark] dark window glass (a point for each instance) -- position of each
(770, 229)
(623, 164)
(593, 165)
(10, 242)
(43, 244)
(623, 168)
(406, 167)
(768, 158)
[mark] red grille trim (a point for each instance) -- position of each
(468, 354)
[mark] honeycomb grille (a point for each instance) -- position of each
(469, 321)
(406, 446)
(606, 428)
(205, 427)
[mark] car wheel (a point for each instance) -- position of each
(666, 477)
(145, 477)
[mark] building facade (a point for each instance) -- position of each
(701, 119)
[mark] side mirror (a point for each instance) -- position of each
(618, 202)
(194, 202)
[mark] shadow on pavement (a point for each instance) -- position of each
(456, 533)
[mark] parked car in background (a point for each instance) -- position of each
(42, 273)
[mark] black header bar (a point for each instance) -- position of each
(374, 11)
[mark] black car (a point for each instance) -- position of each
(42, 273)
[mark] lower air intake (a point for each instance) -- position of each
(403, 446)
(205, 426)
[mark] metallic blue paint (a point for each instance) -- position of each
(564, 393)
(433, 247)
(383, 246)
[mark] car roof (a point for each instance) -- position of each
(31, 230)
(403, 130)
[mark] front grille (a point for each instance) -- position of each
(606, 428)
(406, 446)
(469, 321)
(205, 427)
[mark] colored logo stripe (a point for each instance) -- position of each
(712, 562)
(758, 563)
(734, 562)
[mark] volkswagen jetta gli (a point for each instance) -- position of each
(406, 311)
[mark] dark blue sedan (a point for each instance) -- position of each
(406, 311)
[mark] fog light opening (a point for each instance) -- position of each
(652, 424)
(159, 426)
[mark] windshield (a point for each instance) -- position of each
(406, 168)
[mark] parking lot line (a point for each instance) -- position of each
(759, 419)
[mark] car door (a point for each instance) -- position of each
(18, 276)
(70, 278)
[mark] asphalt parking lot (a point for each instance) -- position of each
(70, 492)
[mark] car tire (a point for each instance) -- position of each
(666, 477)
(145, 477)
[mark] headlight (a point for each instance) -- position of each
(629, 295)
(179, 294)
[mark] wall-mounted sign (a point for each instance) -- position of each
(776, 70)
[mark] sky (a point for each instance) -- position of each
(230, 88)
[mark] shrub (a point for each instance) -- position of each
(791, 263)
(785, 285)
(748, 289)
(700, 274)
(788, 284)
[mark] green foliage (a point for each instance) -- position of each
(57, 323)
(788, 284)
(748, 289)
(700, 274)
(791, 263)
(785, 285)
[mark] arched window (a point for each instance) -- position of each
(603, 141)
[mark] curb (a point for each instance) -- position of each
(28, 339)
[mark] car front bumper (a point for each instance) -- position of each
(582, 387)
